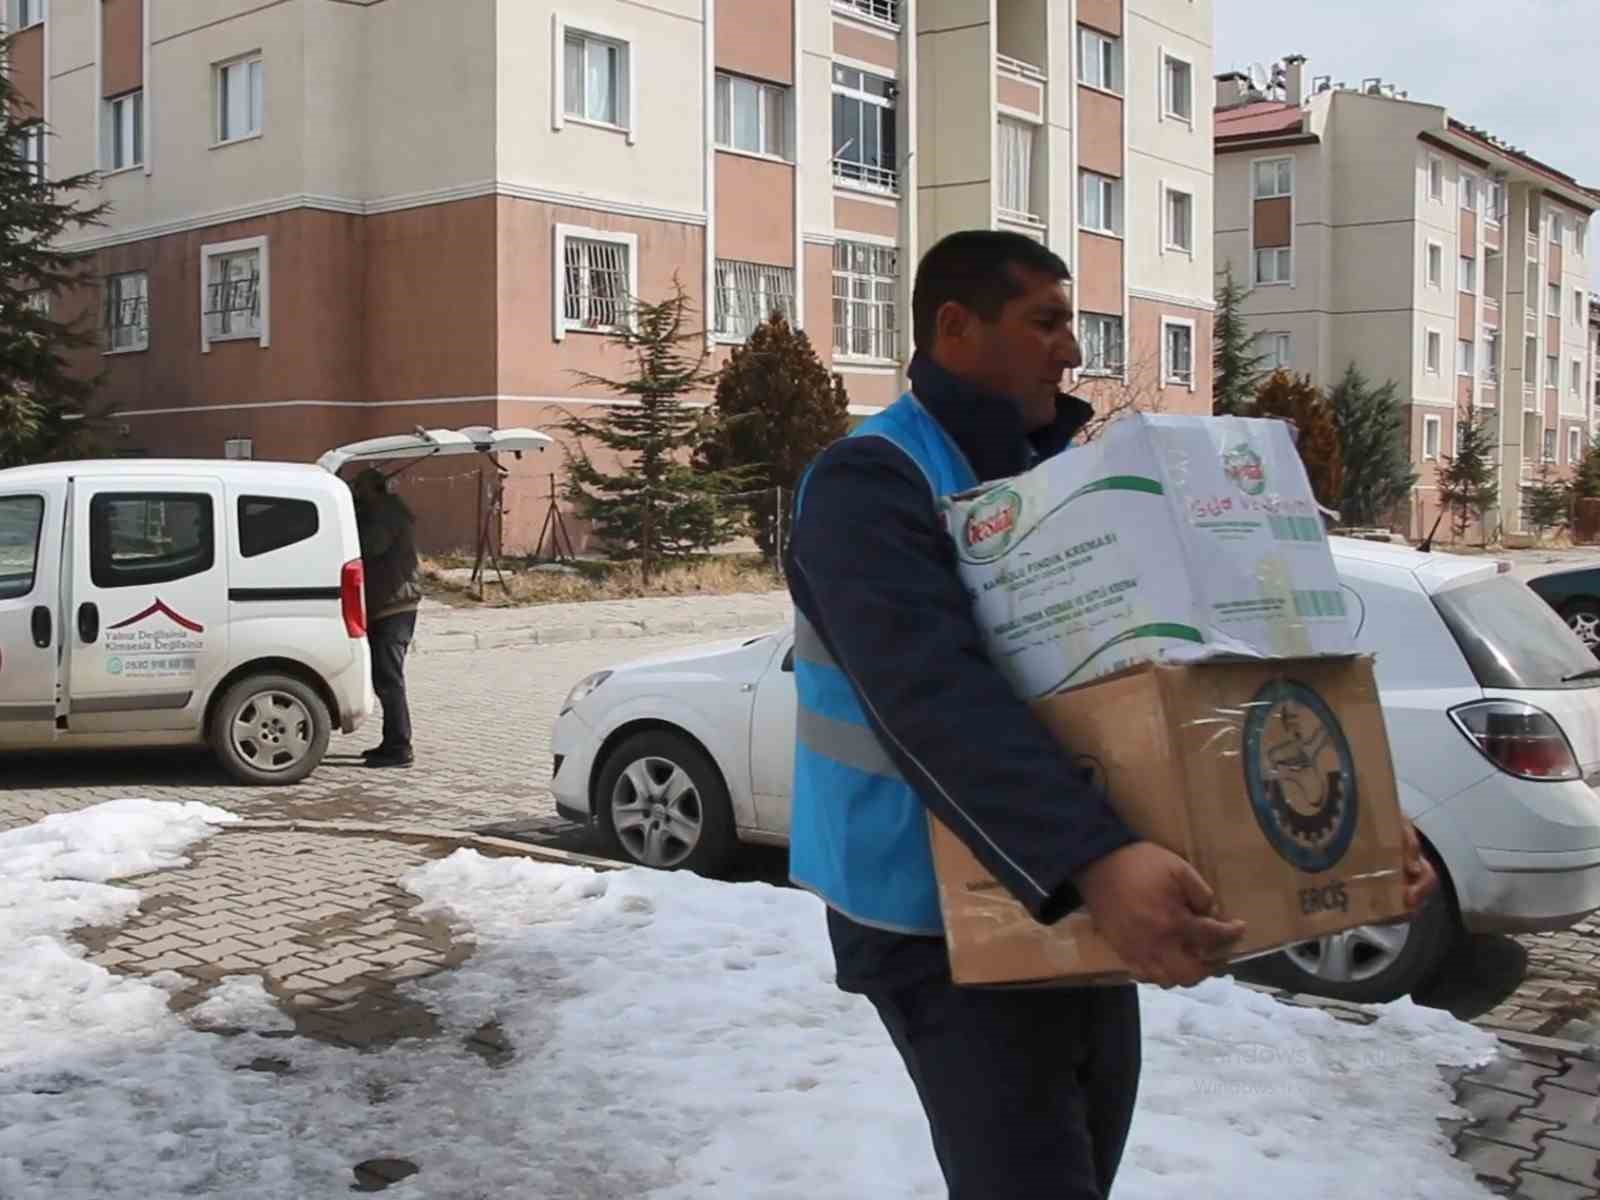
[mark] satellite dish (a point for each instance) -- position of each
(1258, 77)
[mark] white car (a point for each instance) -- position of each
(1492, 706)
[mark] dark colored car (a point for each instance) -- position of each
(1575, 594)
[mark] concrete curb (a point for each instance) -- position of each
(492, 846)
(458, 641)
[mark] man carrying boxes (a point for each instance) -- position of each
(905, 720)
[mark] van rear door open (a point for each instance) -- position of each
(32, 518)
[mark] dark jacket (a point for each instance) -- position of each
(389, 557)
(872, 569)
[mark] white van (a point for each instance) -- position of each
(189, 601)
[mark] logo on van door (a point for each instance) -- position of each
(1300, 775)
(157, 642)
(159, 608)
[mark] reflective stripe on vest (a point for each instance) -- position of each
(858, 831)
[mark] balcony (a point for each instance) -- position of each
(1530, 399)
(867, 177)
(1018, 69)
(1491, 313)
(886, 12)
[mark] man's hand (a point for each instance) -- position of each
(1421, 879)
(1157, 914)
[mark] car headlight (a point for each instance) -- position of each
(584, 688)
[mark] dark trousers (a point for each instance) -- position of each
(1028, 1093)
(389, 638)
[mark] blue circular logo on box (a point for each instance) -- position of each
(1300, 775)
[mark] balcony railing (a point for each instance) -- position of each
(1018, 68)
(1530, 399)
(887, 11)
(877, 179)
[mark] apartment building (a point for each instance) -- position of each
(1378, 230)
(332, 219)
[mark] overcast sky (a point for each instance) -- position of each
(1526, 70)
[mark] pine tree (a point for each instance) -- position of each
(1372, 445)
(1236, 367)
(1586, 479)
(1547, 503)
(1295, 399)
(776, 408)
(1468, 485)
(657, 506)
(45, 411)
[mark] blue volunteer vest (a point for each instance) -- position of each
(858, 833)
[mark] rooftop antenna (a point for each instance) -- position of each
(1258, 77)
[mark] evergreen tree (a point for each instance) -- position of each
(776, 408)
(1547, 502)
(45, 410)
(657, 506)
(1372, 445)
(1586, 479)
(1468, 485)
(1236, 367)
(1295, 399)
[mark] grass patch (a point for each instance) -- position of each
(720, 575)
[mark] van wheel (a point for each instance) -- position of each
(270, 729)
(662, 803)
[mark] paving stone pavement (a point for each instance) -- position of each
(319, 916)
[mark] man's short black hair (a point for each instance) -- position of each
(974, 268)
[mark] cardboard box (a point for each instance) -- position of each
(1172, 537)
(1274, 779)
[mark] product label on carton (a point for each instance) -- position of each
(1300, 776)
(1176, 537)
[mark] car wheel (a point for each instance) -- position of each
(1371, 964)
(662, 803)
(1584, 618)
(270, 729)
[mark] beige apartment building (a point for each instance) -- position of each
(1379, 230)
(334, 219)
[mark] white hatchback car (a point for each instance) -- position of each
(1492, 706)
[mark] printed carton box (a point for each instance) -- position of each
(1171, 537)
(1273, 778)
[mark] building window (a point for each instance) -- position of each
(1102, 203)
(595, 79)
(887, 11)
(122, 132)
(1491, 353)
(752, 116)
(239, 449)
(1469, 192)
(1180, 221)
(1274, 265)
(1580, 235)
(20, 14)
(866, 289)
(1494, 201)
(1099, 60)
(864, 130)
(1017, 140)
(1553, 300)
(1555, 229)
(1431, 430)
(1274, 178)
(1177, 86)
(239, 99)
(1435, 352)
(1574, 446)
(1465, 358)
(1467, 277)
(235, 293)
(1177, 352)
(37, 302)
(1552, 371)
(1435, 177)
(1575, 382)
(596, 280)
(1435, 265)
(127, 316)
(748, 293)
(1101, 336)
(1276, 351)
(1549, 445)
(1577, 307)
(30, 149)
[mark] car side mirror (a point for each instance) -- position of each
(788, 660)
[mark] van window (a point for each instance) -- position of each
(1511, 638)
(21, 520)
(141, 538)
(268, 523)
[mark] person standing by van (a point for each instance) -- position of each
(389, 557)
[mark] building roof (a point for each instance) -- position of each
(1263, 118)
(1488, 142)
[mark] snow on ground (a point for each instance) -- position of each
(674, 1037)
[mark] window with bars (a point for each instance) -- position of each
(748, 293)
(233, 295)
(30, 149)
(1099, 60)
(126, 323)
(864, 133)
(866, 288)
(1016, 167)
(596, 83)
(122, 132)
(752, 116)
(239, 99)
(596, 277)
(1101, 338)
(887, 11)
